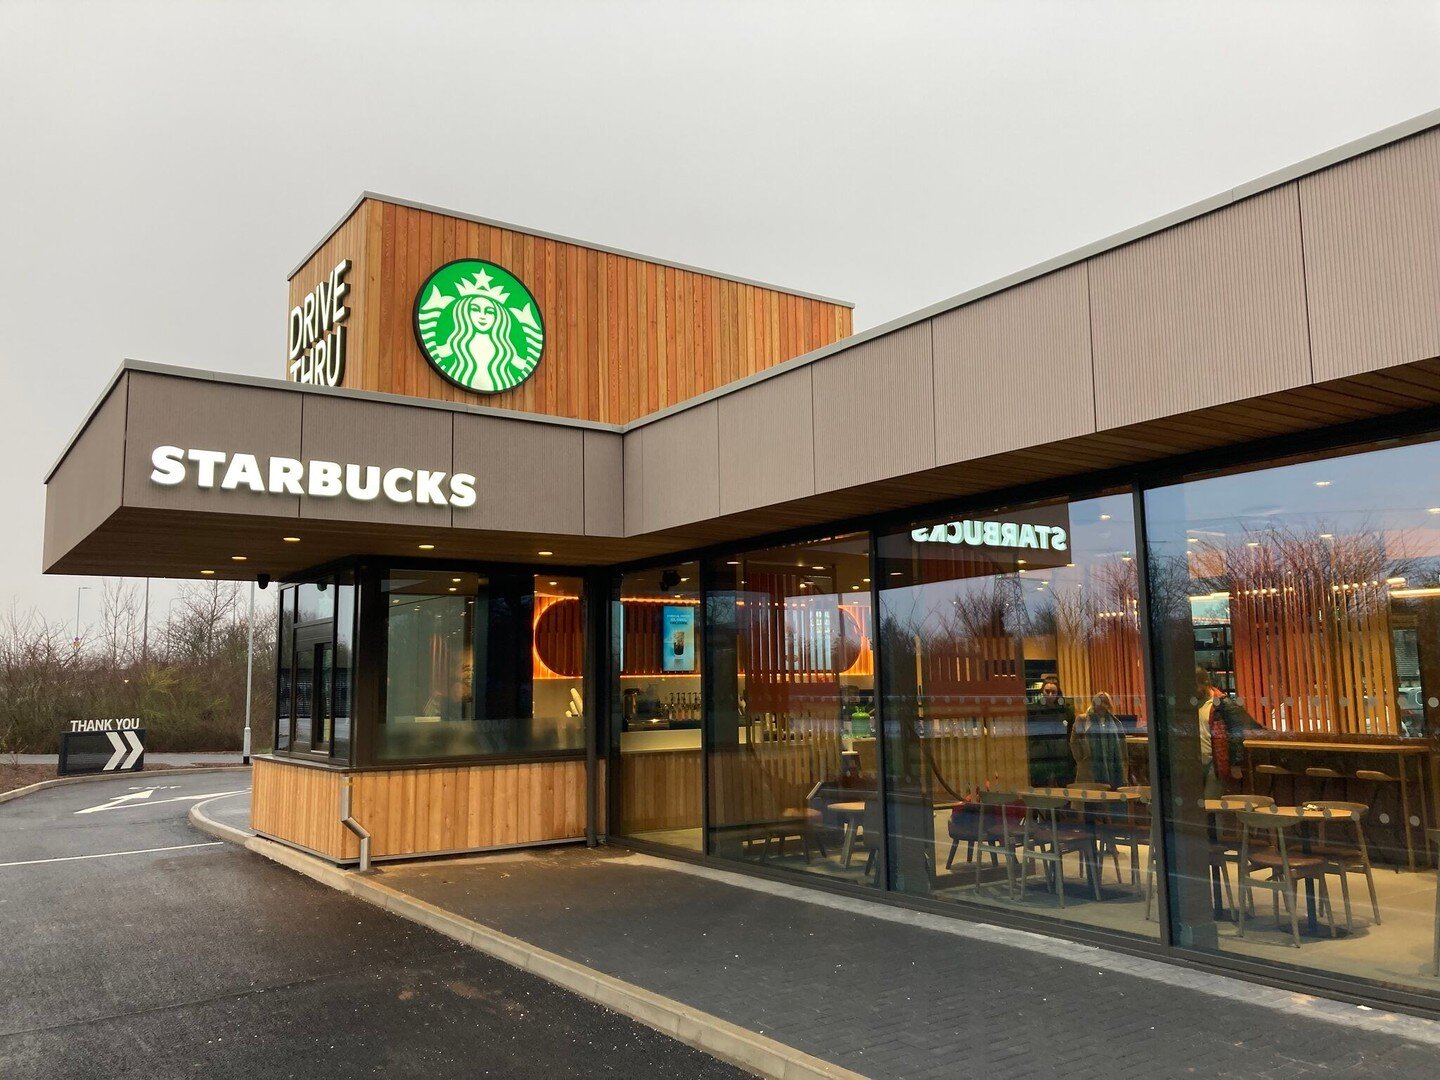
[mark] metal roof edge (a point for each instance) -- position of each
(328, 234)
(557, 237)
(1313, 164)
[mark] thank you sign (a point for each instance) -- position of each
(109, 744)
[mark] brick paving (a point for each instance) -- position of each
(889, 999)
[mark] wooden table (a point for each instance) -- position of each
(1402, 752)
(1085, 801)
(850, 815)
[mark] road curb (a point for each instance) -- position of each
(684, 1023)
(30, 789)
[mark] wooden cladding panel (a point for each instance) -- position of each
(470, 807)
(415, 811)
(660, 790)
(301, 805)
(624, 337)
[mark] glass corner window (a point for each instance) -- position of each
(481, 665)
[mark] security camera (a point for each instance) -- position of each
(263, 580)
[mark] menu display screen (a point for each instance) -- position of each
(678, 640)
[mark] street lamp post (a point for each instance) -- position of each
(75, 644)
(249, 666)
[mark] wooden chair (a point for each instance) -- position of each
(994, 837)
(1121, 825)
(1225, 846)
(1345, 859)
(1053, 842)
(1286, 869)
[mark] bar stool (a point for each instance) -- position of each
(1327, 776)
(1346, 859)
(1286, 870)
(1377, 778)
(1275, 775)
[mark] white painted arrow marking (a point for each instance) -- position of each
(118, 800)
(121, 804)
(119, 745)
(137, 748)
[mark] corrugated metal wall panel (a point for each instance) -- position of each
(1014, 369)
(1372, 258)
(1208, 312)
(767, 443)
(875, 410)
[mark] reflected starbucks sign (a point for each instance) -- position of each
(1037, 537)
(479, 326)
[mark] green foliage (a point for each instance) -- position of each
(186, 682)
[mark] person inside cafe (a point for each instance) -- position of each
(1050, 720)
(1224, 726)
(1097, 743)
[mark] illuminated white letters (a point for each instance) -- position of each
(996, 534)
(313, 479)
(317, 335)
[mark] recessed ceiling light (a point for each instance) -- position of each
(291, 539)
(427, 547)
(545, 553)
(854, 586)
(804, 584)
(238, 558)
(682, 579)
(1327, 536)
(733, 562)
(456, 580)
(1252, 543)
(1104, 517)
(1192, 540)
(866, 580)
(1020, 561)
(1433, 510)
(557, 583)
(452, 588)
(817, 568)
(207, 572)
(895, 573)
(1322, 483)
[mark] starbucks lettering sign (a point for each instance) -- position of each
(479, 326)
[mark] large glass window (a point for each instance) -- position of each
(481, 664)
(1297, 637)
(790, 718)
(1015, 713)
(656, 657)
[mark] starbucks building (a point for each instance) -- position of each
(1102, 600)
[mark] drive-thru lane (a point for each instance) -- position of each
(134, 945)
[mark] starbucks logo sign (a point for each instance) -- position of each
(479, 326)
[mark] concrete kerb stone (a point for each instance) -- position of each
(720, 1038)
(30, 789)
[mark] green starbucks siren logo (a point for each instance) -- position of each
(479, 326)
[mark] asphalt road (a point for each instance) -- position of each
(132, 945)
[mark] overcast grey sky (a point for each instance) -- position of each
(164, 165)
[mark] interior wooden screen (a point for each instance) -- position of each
(1310, 619)
(1097, 640)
